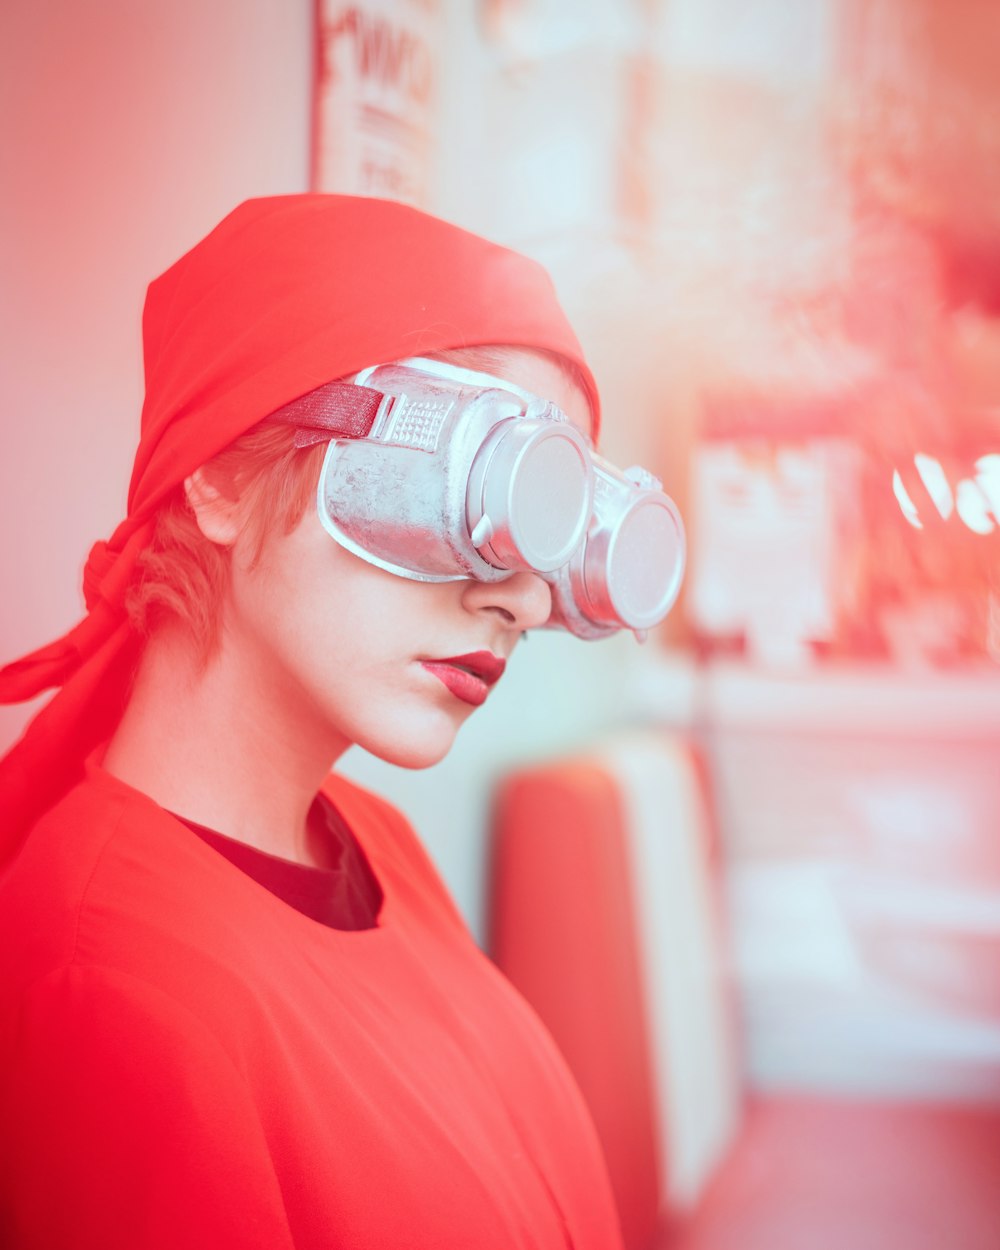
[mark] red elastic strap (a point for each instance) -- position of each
(334, 410)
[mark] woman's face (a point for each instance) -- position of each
(338, 652)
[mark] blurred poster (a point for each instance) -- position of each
(376, 81)
(767, 531)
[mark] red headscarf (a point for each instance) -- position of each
(285, 294)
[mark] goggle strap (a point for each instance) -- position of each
(334, 410)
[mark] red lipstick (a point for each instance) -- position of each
(468, 677)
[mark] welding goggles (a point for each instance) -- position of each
(438, 473)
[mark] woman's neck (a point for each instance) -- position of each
(207, 741)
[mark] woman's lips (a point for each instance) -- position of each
(468, 677)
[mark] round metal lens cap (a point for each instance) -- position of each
(537, 489)
(645, 562)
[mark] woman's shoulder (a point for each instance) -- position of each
(44, 888)
(108, 879)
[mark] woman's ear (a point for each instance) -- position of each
(218, 516)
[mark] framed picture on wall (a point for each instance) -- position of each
(374, 97)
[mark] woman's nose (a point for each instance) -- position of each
(523, 600)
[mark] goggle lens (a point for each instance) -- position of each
(645, 564)
(550, 499)
(530, 493)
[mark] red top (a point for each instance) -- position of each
(186, 1060)
(344, 895)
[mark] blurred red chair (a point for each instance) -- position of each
(606, 913)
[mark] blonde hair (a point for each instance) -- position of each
(183, 576)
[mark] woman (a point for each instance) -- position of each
(239, 1007)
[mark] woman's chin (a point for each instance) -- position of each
(416, 752)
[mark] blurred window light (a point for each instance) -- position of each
(988, 480)
(974, 507)
(932, 476)
(976, 500)
(906, 504)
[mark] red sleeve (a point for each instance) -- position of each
(126, 1125)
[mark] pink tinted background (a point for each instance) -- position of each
(776, 231)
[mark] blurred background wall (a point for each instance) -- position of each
(775, 226)
(127, 131)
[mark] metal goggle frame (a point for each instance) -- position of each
(438, 473)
